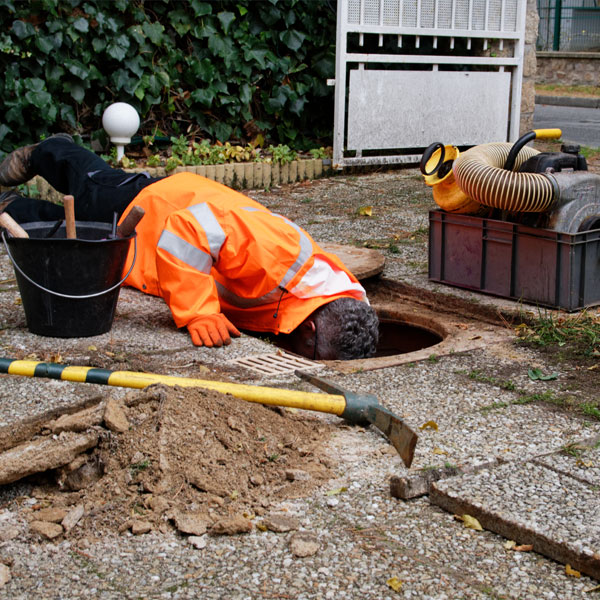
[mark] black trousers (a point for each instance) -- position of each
(98, 189)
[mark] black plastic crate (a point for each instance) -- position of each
(536, 266)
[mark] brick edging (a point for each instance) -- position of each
(239, 176)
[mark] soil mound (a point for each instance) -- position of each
(192, 459)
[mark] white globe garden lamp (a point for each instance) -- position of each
(120, 120)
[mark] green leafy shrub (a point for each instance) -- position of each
(225, 70)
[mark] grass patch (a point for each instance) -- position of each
(589, 409)
(478, 375)
(577, 335)
(569, 90)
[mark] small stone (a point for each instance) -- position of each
(45, 529)
(51, 515)
(206, 484)
(72, 518)
(297, 475)
(140, 527)
(304, 544)
(137, 458)
(235, 425)
(191, 523)
(4, 575)
(333, 502)
(281, 523)
(158, 504)
(84, 476)
(231, 526)
(125, 525)
(8, 532)
(257, 479)
(199, 542)
(115, 418)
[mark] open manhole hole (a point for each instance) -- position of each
(398, 336)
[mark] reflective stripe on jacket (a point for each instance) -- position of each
(206, 248)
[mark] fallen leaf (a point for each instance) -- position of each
(365, 211)
(439, 451)
(572, 572)
(475, 337)
(509, 544)
(523, 548)
(429, 425)
(395, 583)
(592, 367)
(535, 374)
(596, 588)
(92, 348)
(336, 491)
(471, 523)
(582, 463)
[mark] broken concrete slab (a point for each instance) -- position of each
(531, 504)
(79, 421)
(44, 454)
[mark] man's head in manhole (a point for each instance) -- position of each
(343, 329)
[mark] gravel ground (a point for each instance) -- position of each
(365, 536)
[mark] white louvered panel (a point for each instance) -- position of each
(354, 12)
(371, 16)
(409, 13)
(444, 14)
(427, 14)
(391, 12)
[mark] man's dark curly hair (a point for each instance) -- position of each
(347, 329)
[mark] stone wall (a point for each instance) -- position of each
(568, 68)
(529, 69)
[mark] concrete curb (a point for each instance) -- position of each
(568, 101)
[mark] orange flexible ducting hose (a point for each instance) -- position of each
(479, 173)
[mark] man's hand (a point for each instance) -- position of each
(212, 330)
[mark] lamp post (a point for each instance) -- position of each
(120, 120)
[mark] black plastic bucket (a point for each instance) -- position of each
(69, 287)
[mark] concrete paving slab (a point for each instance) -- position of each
(580, 461)
(531, 504)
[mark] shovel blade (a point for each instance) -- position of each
(402, 437)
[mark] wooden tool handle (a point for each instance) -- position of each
(69, 204)
(127, 227)
(12, 226)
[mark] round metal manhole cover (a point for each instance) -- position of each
(361, 262)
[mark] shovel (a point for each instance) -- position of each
(356, 408)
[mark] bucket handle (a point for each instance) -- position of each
(70, 297)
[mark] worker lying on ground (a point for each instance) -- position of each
(220, 260)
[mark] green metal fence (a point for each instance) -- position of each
(571, 26)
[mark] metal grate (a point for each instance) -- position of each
(277, 363)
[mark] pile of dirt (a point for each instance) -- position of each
(192, 459)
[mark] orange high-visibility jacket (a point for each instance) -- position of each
(206, 248)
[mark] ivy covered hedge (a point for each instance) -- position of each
(237, 70)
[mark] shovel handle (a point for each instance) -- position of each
(69, 204)
(12, 226)
(127, 227)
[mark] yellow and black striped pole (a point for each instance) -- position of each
(328, 403)
(356, 408)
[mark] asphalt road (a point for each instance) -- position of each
(579, 125)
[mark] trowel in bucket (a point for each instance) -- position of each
(365, 408)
